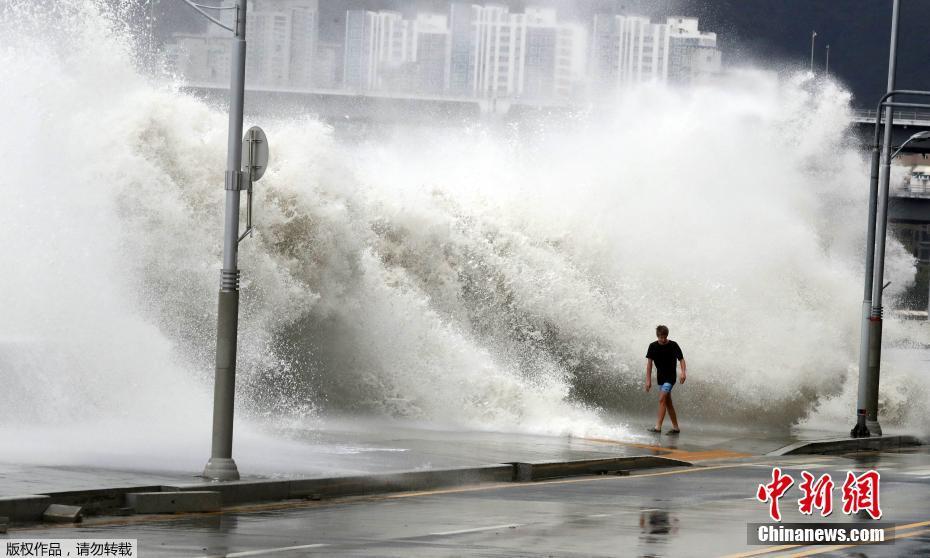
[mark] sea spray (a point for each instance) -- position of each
(483, 277)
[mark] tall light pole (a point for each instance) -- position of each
(826, 69)
(881, 231)
(221, 465)
(870, 337)
(813, 37)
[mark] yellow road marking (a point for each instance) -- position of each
(631, 444)
(761, 551)
(705, 455)
(674, 453)
(911, 525)
(840, 547)
(560, 481)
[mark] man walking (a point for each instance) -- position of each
(664, 353)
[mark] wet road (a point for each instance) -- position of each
(697, 511)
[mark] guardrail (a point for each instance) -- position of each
(868, 115)
(911, 190)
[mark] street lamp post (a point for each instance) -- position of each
(870, 333)
(826, 68)
(871, 336)
(221, 465)
(813, 36)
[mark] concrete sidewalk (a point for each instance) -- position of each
(372, 448)
(386, 451)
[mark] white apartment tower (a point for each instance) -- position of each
(627, 50)
(385, 51)
(525, 55)
(693, 54)
(498, 46)
(282, 37)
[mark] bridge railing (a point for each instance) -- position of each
(915, 189)
(910, 115)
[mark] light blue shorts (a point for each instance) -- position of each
(666, 387)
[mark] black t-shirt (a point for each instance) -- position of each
(664, 357)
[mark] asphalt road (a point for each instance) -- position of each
(697, 511)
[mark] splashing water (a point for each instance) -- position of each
(498, 278)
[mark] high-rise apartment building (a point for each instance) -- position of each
(327, 65)
(692, 53)
(570, 61)
(359, 43)
(629, 49)
(431, 43)
(498, 46)
(462, 33)
(282, 37)
(383, 51)
(527, 55)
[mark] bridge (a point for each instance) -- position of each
(901, 118)
(907, 205)
(387, 105)
(375, 106)
(904, 125)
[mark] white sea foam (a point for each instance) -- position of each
(482, 277)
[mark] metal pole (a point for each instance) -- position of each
(861, 430)
(221, 465)
(881, 226)
(813, 35)
(826, 69)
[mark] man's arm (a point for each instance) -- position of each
(648, 374)
(684, 370)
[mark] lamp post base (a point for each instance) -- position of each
(221, 469)
(860, 430)
(874, 428)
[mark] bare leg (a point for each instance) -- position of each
(671, 412)
(662, 398)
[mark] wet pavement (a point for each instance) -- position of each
(359, 447)
(697, 511)
(386, 451)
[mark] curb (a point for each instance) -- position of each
(172, 499)
(848, 445)
(524, 472)
(174, 502)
